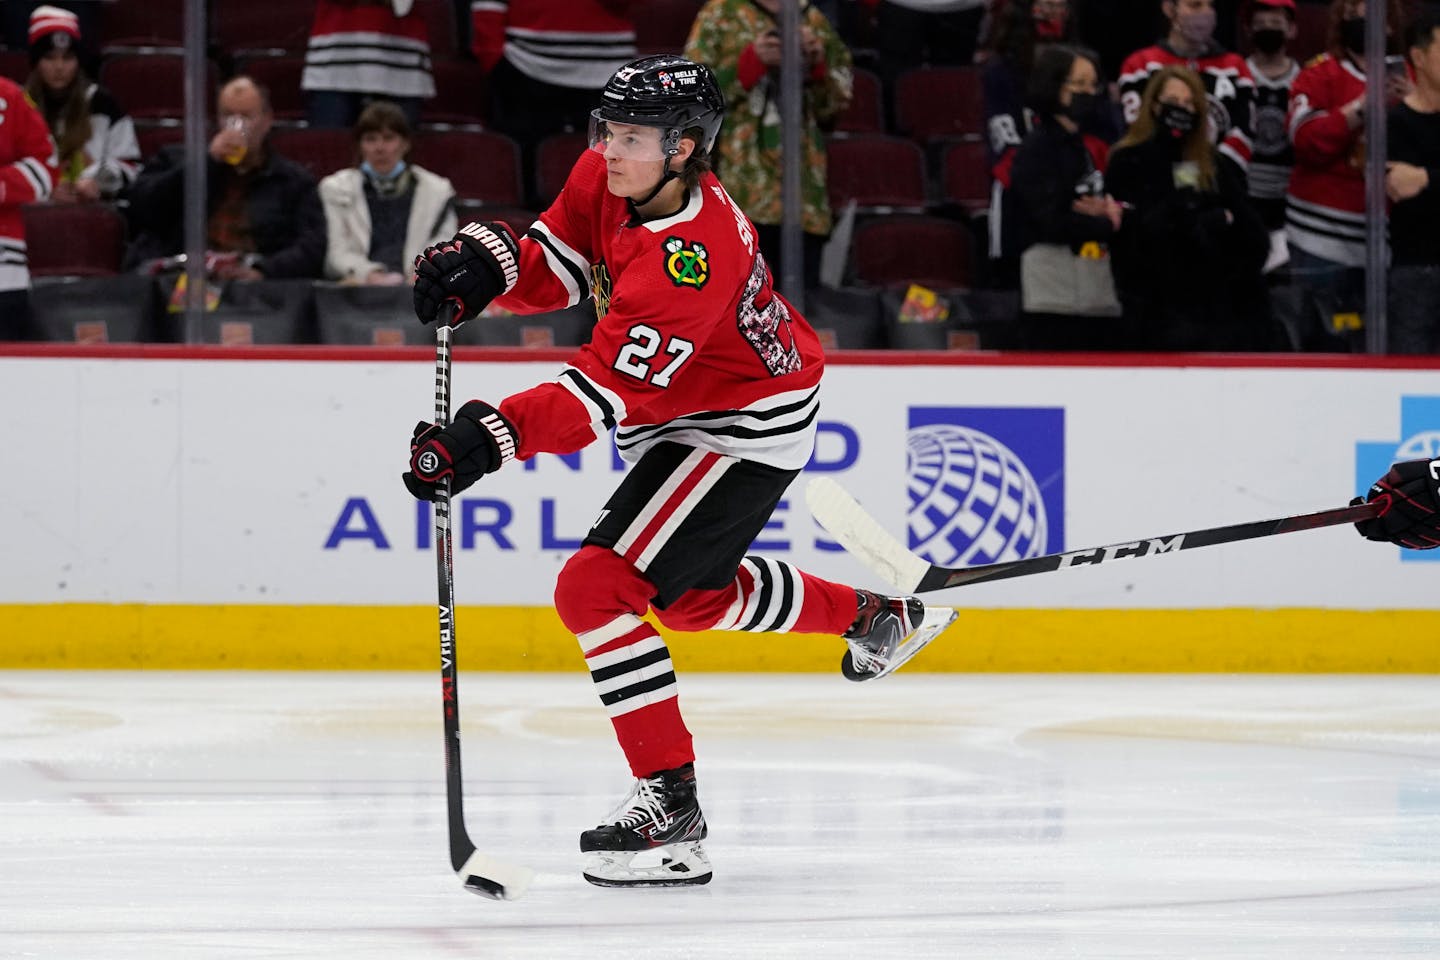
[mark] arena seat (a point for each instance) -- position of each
(281, 76)
(846, 318)
(554, 158)
(321, 151)
(73, 239)
(152, 84)
(663, 26)
(131, 27)
(930, 251)
(460, 93)
(876, 171)
(939, 102)
(483, 165)
(965, 176)
(15, 65)
(248, 28)
(866, 110)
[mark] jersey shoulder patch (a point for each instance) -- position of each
(687, 263)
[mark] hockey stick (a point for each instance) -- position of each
(861, 534)
(479, 872)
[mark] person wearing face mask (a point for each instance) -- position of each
(1272, 29)
(1323, 306)
(1229, 88)
(380, 214)
(1057, 199)
(1189, 254)
(1021, 28)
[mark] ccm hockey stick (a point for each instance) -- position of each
(479, 872)
(863, 536)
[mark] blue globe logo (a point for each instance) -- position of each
(972, 500)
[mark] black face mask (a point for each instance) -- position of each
(1352, 34)
(1268, 42)
(1176, 119)
(1082, 106)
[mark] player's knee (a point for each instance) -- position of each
(597, 584)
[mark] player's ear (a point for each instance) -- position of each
(685, 147)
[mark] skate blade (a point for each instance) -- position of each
(934, 623)
(681, 865)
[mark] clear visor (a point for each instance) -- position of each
(625, 141)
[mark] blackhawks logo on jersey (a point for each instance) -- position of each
(600, 289)
(686, 264)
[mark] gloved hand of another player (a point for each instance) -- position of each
(477, 442)
(1412, 518)
(479, 264)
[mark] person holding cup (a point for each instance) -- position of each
(264, 209)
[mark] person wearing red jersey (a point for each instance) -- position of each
(1229, 88)
(27, 175)
(710, 380)
(364, 50)
(1325, 202)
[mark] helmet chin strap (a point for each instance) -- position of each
(665, 178)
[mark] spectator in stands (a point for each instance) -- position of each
(27, 174)
(1413, 182)
(1323, 306)
(94, 139)
(380, 214)
(740, 41)
(1188, 258)
(1057, 192)
(1272, 28)
(1229, 88)
(547, 60)
(1020, 27)
(363, 50)
(264, 210)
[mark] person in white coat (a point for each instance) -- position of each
(381, 213)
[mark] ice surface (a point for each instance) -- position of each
(236, 815)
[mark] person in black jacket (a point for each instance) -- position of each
(1057, 188)
(264, 210)
(1189, 256)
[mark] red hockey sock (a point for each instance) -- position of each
(767, 595)
(600, 597)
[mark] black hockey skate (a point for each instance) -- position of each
(887, 632)
(661, 815)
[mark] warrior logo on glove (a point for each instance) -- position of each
(479, 441)
(478, 265)
(1410, 493)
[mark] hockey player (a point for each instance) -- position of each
(1229, 88)
(710, 380)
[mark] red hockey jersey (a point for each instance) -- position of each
(27, 174)
(1229, 90)
(692, 344)
(366, 48)
(1325, 206)
(568, 43)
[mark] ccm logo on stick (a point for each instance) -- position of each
(1141, 548)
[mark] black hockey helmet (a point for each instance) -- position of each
(665, 91)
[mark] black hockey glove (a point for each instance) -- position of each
(478, 442)
(1411, 518)
(479, 264)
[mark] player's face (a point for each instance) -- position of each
(634, 159)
